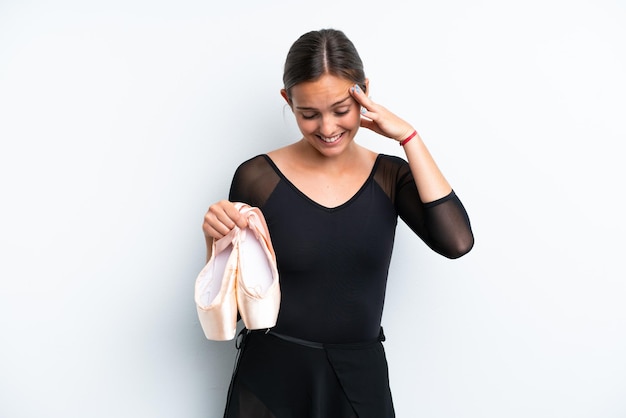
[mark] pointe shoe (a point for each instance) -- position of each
(215, 294)
(258, 290)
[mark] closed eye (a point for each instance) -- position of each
(339, 112)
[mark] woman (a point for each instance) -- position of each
(331, 207)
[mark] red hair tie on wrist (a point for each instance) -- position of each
(407, 139)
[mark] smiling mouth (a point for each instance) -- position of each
(330, 140)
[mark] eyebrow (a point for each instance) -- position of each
(333, 105)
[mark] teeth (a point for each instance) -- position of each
(331, 139)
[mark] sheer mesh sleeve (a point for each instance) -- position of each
(253, 182)
(443, 224)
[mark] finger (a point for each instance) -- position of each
(372, 126)
(211, 233)
(370, 114)
(235, 216)
(368, 124)
(360, 96)
(221, 218)
(213, 228)
(369, 109)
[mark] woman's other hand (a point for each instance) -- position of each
(220, 219)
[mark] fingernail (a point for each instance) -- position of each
(357, 88)
(363, 110)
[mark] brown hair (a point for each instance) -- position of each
(326, 51)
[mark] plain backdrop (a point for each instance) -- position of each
(122, 121)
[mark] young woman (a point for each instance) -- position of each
(331, 207)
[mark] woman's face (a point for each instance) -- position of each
(326, 113)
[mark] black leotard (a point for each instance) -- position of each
(333, 262)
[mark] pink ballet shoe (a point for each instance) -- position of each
(215, 294)
(258, 290)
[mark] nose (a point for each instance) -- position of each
(327, 126)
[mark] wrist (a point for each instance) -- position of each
(404, 141)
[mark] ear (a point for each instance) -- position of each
(367, 86)
(283, 93)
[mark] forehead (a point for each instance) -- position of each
(323, 92)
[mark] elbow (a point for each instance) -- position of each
(459, 248)
(462, 250)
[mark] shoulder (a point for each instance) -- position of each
(257, 159)
(254, 165)
(393, 174)
(392, 160)
(254, 180)
(392, 164)
(254, 170)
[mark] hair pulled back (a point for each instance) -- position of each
(326, 51)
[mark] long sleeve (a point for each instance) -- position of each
(443, 225)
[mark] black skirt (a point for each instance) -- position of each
(282, 377)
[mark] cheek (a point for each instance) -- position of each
(354, 118)
(306, 125)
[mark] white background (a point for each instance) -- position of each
(121, 121)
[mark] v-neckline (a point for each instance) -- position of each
(314, 202)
